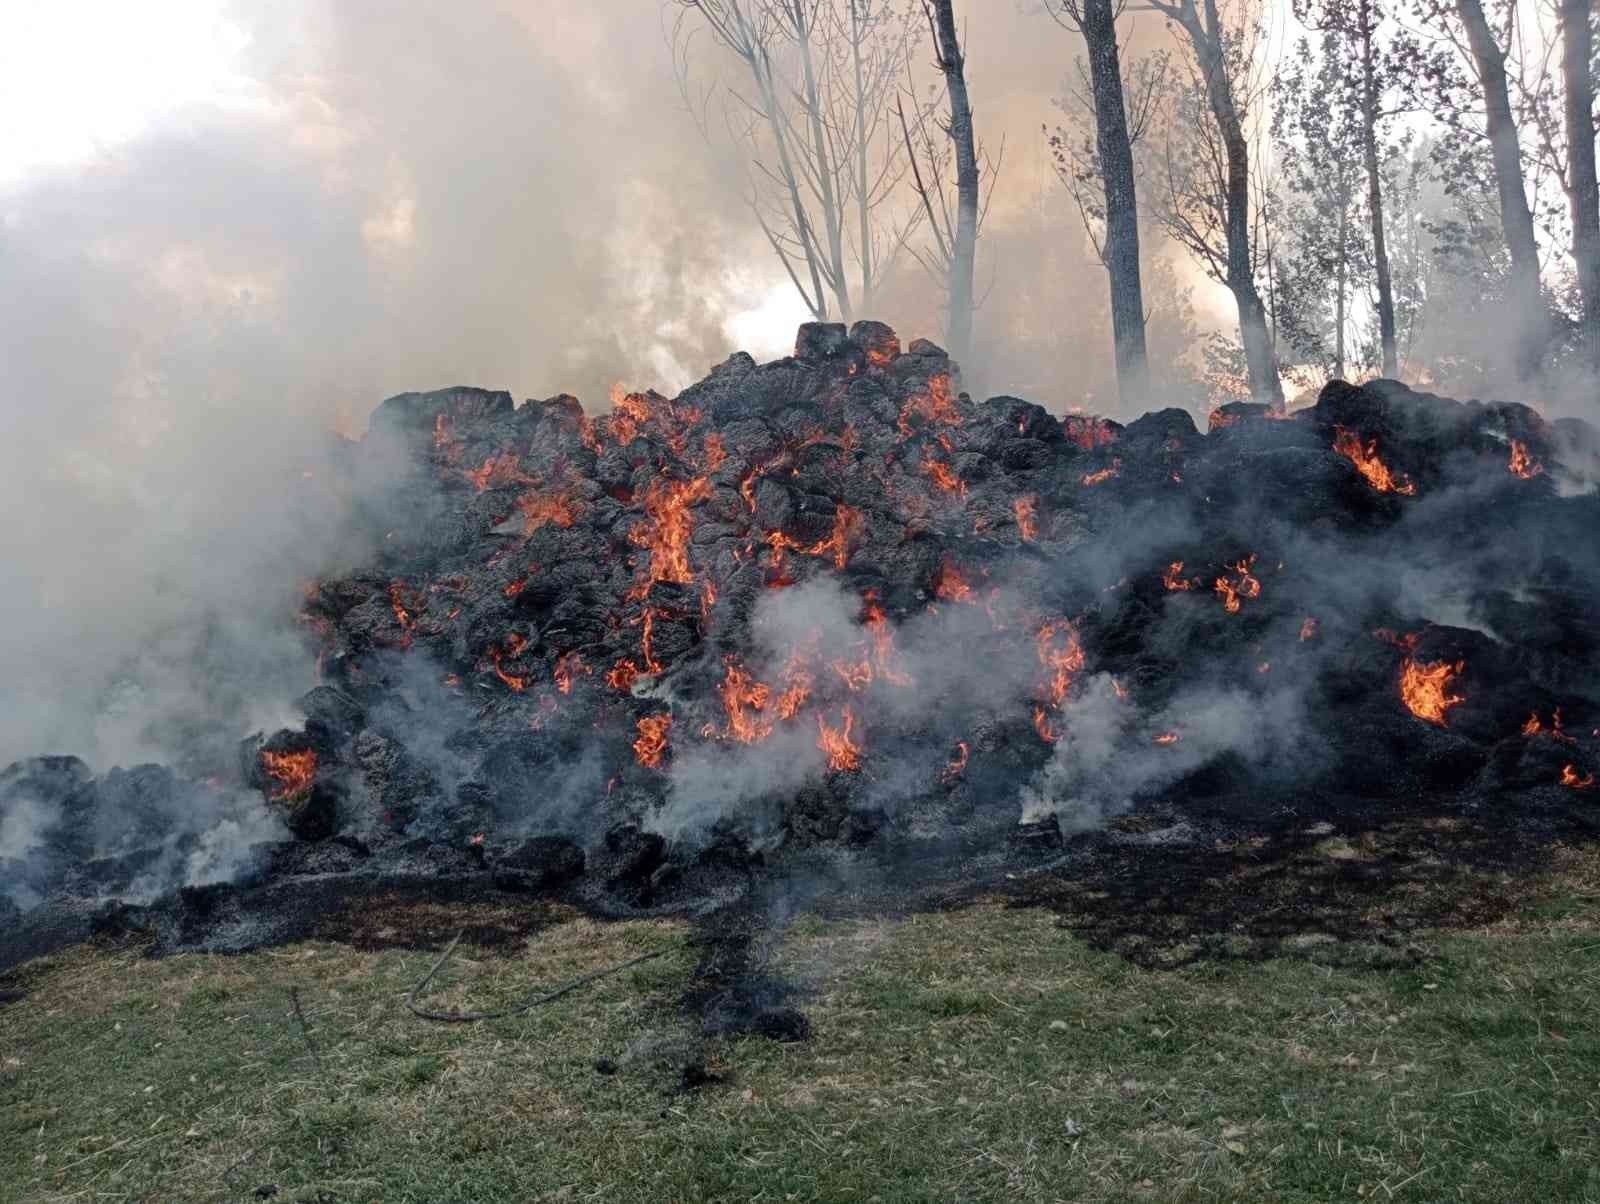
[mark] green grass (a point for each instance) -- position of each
(980, 1054)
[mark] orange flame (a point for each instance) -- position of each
(515, 587)
(1027, 509)
(1522, 462)
(856, 675)
(1246, 586)
(652, 741)
(1425, 689)
(1061, 654)
(843, 753)
(847, 524)
(292, 771)
(514, 645)
(1172, 580)
(941, 475)
(667, 529)
(796, 688)
(744, 700)
(716, 452)
(1167, 738)
(1105, 474)
(402, 612)
(1533, 727)
(622, 675)
(885, 658)
(933, 406)
(498, 469)
(566, 668)
(1088, 433)
(1365, 457)
(951, 585)
(1041, 724)
(537, 509)
(958, 763)
(1569, 777)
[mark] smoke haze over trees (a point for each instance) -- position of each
(510, 193)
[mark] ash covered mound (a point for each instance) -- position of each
(828, 618)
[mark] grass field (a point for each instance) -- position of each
(985, 1053)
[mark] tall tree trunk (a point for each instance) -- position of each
(863, 196)
(1369, 139)
(1341, 277)
(1259, 358)
(1122, 210)
(1576, 46)
(963, 258)
(1515, 217)
(822, 155)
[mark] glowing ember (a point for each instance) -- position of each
(566, 669)
(1243, 586)
(537, 509)
(292, 771)
(1173, 578)
(500, 469)
(1570, 777)
(843, 753)
(941, 475)
(652, 742)
(622, 675)
(744, 701)
(1167, 738)
(958, 762)
(478, 838)
(516, 587)
(797, 683)
(933, 407)
(402, 608)
(1425, 688)
(1088, 433)
(951, 585)
(1105, 474)
(647, 640)
(1365, 457)
(1027, 511)
(1308, 629)
(629, 411)
(847, 523)
(517, 681)
(667, 529)
(716, 452)
(1522, 463)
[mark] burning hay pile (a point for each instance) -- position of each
(832, 609)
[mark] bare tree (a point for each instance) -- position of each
(1582, 190)
(1219, 201)
(1112, 161)
(810, 117)
(964, 241)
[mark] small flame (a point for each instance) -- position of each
(498, 469)
(958, 763)
(292, 771)
(1533, 727)
(744, 702)
(1245, 586)
(402, 612)
(1425, 688)
(885, 658)
(1173, 578)
(666, 530)
(1167, 738)
(843, 753)
(537, 509)
(1042, 725)
(652, 741)
(1105, 474)
(515, 587)
(1523, 464)
(951, 585)
(1088, 433)
(1570, 777)
(934, 406)
(1061, 655)
(566, 668)
(1027, 511)
(941, 475)
(622, 675)
(1365, 457)
(716, 452)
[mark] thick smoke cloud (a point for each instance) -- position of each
(421, 197)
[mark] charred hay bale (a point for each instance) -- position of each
(459, 407)
(821, 341)
(626, 858)
(537, 863)
(294, 778)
